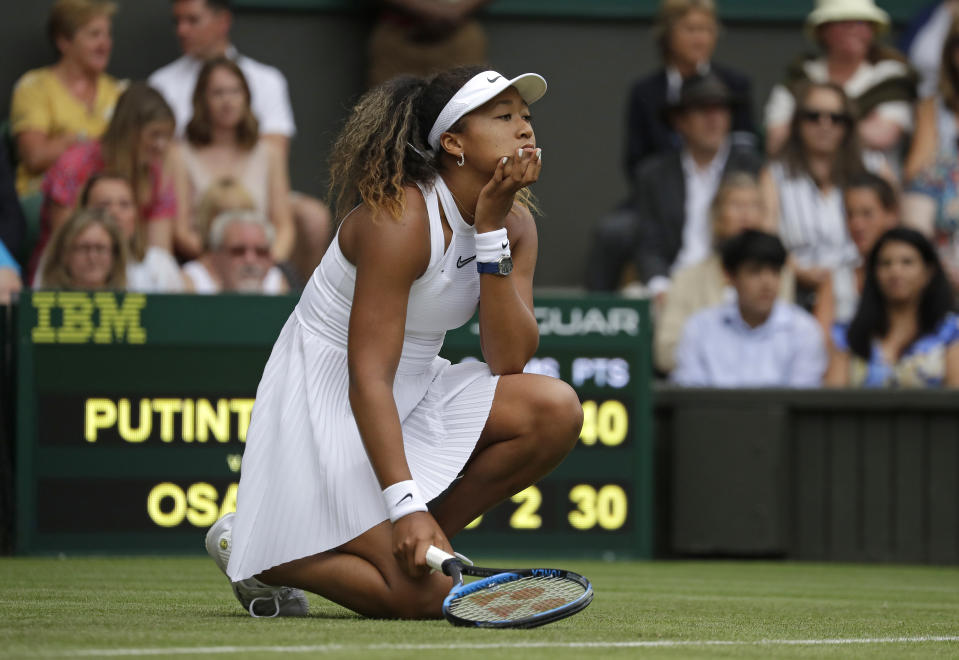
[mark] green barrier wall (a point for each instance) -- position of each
(132, 414)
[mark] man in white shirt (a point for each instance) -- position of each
(203, 30)
(756, 340)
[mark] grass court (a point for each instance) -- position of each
(183, 608)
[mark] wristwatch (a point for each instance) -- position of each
(502, 267)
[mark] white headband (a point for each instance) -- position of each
(481, 88)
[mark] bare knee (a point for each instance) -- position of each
(560, 416)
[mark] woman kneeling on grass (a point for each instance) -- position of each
(358, 424)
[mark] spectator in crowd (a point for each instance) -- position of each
(134, 146)
(55, 106)
(756, 340)
(150, 269)
(10, 283)
(931, 202)
(239, 257)
(86, 252)
(203, 29)
(686, 33)
(871, 209)
(222, 140)
(224, 194)
(803, 186)
(423, 38)
(737, 206)
(668, 227)
(924, 39)
(877, 78)
(13, 224)
(904, 333)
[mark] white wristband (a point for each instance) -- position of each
(402, 499)
(491, 246)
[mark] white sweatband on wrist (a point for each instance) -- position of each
(491, 246)
(402, 499)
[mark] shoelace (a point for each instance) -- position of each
(276, 602)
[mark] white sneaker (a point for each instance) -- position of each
(260, 600)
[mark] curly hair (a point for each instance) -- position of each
(383, 145)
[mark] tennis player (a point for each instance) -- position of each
(358, 424)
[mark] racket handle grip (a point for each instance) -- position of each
(435, 557)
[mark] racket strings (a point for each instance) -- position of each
(518, 599)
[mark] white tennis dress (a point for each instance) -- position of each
(307, 484)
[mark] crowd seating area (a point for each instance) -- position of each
(817, 243)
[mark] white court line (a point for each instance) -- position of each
(327, 648)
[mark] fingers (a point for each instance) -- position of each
(521, 168)
(412, 536)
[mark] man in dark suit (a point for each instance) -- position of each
(666, 224)
(687, 37)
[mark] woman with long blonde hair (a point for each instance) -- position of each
(134, 146)
(358, 423)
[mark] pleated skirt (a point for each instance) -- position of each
(306, 482)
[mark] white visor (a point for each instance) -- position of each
(481, 88)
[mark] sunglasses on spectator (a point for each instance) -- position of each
(816, 116)
(262, 252)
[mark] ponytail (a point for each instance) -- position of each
(383, 147)
(372, 158)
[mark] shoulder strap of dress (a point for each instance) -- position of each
(437, 242)
(457, 224)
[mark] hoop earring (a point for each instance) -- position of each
(462, 160)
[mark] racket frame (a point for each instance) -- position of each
(491, 577)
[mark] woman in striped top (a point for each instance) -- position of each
(803, 185)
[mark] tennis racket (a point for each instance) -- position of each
(509, 598)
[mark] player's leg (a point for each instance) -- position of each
(363, 576)
(533, 424)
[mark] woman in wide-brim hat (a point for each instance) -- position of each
(877, 78)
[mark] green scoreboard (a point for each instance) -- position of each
(132, 413)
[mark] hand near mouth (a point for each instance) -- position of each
(512, 174)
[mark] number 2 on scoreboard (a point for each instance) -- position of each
(525, 516)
